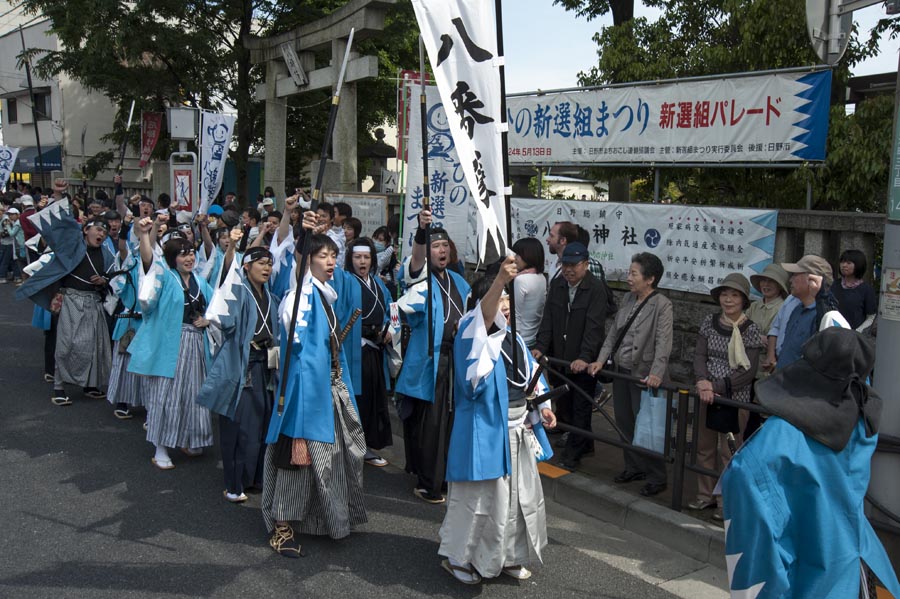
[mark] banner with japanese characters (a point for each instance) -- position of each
(461, 39)
(215, 137)
(151, 127)
(8, 157)
(448, 191)
(780, 117)
(698, 246)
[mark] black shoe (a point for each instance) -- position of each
(627, 477)
(561, 442)
(429, 497)
(284, 543)
(651, 489)
(570, 464)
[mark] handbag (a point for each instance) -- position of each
(650, 424)
(610, 363)
(56, 302)
(125, 341)
(285, 450)
(723, 419)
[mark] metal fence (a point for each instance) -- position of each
(682, 430)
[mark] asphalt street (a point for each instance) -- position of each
(85, 514)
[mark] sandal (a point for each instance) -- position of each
(428, 497)
(234, 497)
(284, 543)
(61, 400)
(122, 414)
(473, 576)
(376, 461)
(163, 464)
(192, 453)
(95, 393)
(48, 378)
(517, 572)
(701, 504)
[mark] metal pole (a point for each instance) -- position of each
(885, 484)
(426, 194)
(656, 185)
(809, 195)
(540, 187)
(680, 449)
(34, 119)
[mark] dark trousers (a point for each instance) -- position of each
(242, 439)
(50, 345)
(9, 266)
(580, 416)
(627, 404)
(426, 432)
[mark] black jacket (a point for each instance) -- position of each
(573, 332)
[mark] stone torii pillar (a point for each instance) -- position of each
(291, 69)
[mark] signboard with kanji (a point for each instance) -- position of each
(780, 117)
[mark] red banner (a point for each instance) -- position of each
(405, 95)
(151, 127)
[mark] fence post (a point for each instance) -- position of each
(680, 450)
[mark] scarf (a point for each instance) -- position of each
(737, 354)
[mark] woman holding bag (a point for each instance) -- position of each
(725, 364)
(639, 343)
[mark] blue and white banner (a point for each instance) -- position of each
(215, 138)
(780, 117)
(698, 246)
(461, 39)
(7, 162)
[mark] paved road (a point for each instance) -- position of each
(85, 514)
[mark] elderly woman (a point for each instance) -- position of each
(639, 342)
(725, 364)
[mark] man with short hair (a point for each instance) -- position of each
(561, 234)
(325, 211)
(342, 211)
(800, 316)
(571, 329)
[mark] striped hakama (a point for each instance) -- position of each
(326, 497)
(173, 418)
(498, 523)
(124, 386)
(83, 352)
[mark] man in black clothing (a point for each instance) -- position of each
(572, 329)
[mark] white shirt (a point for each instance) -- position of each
(531, 293)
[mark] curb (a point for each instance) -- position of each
(689, 536)
(680, 532)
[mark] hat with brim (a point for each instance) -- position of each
(736, 281)
(825, 392)
(774, 272)
(26, 200)
(812, 265)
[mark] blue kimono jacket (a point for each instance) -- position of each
(125, 286)
(479, 441)
(349, 292)
(308, 408)
(794, 519)
(419, 372)
(64, 235)
(232, 315)
(154, 349)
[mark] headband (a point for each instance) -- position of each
(360, 248)
(95, 223)
(256, 254)
(439, 235)
(169, 236)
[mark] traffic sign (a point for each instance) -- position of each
(829, 31)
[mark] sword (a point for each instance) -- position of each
(426, 193)
(346, 330)
(125, 141)
(313, 205)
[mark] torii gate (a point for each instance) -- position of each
(290, 69)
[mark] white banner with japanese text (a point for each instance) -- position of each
(698, 246)
(448, 191)
(460, 37)
(8, 157)
(780, 117)
(215, 137)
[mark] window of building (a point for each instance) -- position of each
(42, 107)
(12, 111)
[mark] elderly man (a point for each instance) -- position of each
(800, 315)
(572, 329)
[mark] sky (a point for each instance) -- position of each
(546, 46)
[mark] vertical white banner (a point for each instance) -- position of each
(8, 157)
(215, 137)
(461, 39)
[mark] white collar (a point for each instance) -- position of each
(327, 291)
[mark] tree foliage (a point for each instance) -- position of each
(705, 37)
(172, 52)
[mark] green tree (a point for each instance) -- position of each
(704, 37)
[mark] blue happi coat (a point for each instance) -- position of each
(419, 372)
(125, 286)
(154, 349)
(308, 408)
(479, 441)
(62, 233)
(232, 314)
(349, 291)
(794, 516)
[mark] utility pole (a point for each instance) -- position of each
(34, 113)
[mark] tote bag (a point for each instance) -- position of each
(650, 425)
